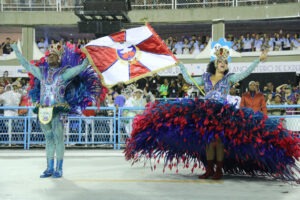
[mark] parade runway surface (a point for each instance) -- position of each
(104, 174)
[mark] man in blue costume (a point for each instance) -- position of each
(54, 79)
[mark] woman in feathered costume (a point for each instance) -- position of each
(211, 131)
(63, 84)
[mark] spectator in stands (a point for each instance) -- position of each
(11, 97)
(267, 44)
(257, 86)
(254, 99)
(173, 89)
(278, 42)
(170, 42)
(248, 43)
(154, 84)
(6, 79)
(42, 45)
(233, 98)
(164, 89)
(181, 83)
(286, 42)
(25, 101)
(257, 43)
(195, 49)
(236, 45)
(119, 99)
(296, 41)
(276, 101)
(178, 46)
(110, 102)
(186, 46)
(269, 88)
(137, 100)
(142, 83)
(6, 47)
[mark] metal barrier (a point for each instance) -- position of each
(107, 131)
(71, 5)
(125, 120)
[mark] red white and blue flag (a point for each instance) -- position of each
(129, 55)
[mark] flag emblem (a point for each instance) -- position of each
(129, 55)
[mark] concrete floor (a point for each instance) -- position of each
(104, 174)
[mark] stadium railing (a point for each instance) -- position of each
(71, 5)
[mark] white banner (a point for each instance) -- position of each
(266, 67)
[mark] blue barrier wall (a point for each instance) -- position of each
(110, 130)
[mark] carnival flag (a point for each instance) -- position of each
(129, 55)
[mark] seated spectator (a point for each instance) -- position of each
(10, 98)
(137, 100)
(247, 43)
(257, 43)
(296, 41)
(286, 42)
(269, 88)
(276, 101)
(254, 99)
(173, 89)
(6, 48)
(119, 100)
(233, 98)
(278, 42)
(164, 89)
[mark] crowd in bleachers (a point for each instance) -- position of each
(194, 44)
(154, 87)
(14, 92)
(249, 42)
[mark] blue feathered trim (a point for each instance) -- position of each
(81, 90)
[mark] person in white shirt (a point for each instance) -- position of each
(248, 43)
(233, 98)
(136, 100)
(287, 42)
(257, 43)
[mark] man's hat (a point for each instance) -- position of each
(138, 90)
(56, 49)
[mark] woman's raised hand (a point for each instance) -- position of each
(263, 56)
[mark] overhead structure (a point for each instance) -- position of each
(102, 17)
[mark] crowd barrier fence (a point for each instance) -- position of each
(110, 130)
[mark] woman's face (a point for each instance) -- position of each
(222, 66)
(277, 99)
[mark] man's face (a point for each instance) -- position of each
(270, 85)
(252, 87)
(138, 94)
(53, 60)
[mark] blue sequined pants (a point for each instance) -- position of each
(54, 134)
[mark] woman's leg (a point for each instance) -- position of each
(220, 157)
(210, 156)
